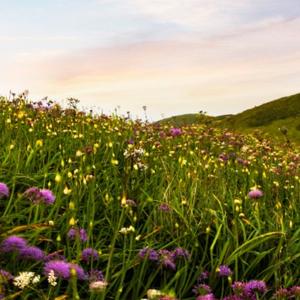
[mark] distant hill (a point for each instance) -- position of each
(283, 113)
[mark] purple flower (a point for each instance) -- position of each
(33, 194)
(165, 207)
(48, 197)
(95, 275)
(77, 233)
(62, 269)
(4, 191)
(203, 276)
(209, 296)
(31, 253)
(5, 276)
(255, 194)
(224, 271)
(83, 235)
(254, 286)
(166, 259)
(238, 287)
(175, 131)
(37, 195)
(180, 253)
(282, 293)
(148, 253)
(295, 290)
(89, 254)
(13, 243)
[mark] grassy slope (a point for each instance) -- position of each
(269, 117)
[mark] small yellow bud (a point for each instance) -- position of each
(72, 205)
(58, 238)
(67, 191)
(39, 143)
(58, 178)
(73, 272)
(72, 222)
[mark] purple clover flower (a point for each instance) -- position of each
(255, 286)
(224, 271)
(175, 131)
(166, 259)
(80, 233)
(255, 194)
(89, 254)
(62, 269)
(47, 196)
(13, 243)
(37, 195)
(4, 190)
(33, 194)
(31, 253)
(148, 253)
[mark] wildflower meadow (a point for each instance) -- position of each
(106, 207)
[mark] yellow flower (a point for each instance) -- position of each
(72, 222)
(58, 178)
(67, 191)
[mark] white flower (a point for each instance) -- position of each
(98, 286)
(153, 294)
(126, 230)
(52, 278)
(25, 278)
(36, 279)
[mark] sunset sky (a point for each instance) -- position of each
(175, 57)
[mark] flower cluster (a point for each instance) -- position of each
(25, 279)
(19, 246)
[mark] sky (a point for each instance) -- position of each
(174, 57)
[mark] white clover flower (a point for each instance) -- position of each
(24, 279)
(52, 278)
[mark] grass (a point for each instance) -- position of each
(134, 186)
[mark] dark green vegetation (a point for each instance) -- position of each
(269, 118)
(142, 195)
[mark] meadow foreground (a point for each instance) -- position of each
(103, 207)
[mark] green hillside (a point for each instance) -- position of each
(272, 118)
